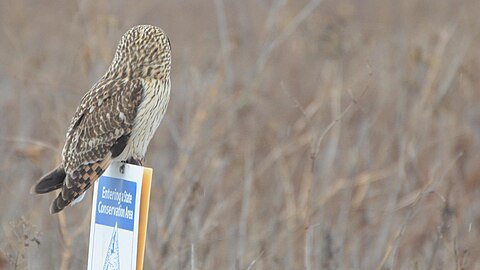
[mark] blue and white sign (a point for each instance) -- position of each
(115, 202)
(115, 215)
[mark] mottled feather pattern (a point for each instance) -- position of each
(101, 122)
(80, 181)
(119, 115)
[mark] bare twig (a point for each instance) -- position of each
(286, 32)
(316, 145)
(254, 261)
(192, 256)
(308, 245)
(247, 188)
(34, 142)
(224, 41)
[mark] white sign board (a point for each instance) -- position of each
(115, 218)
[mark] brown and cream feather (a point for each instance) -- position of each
(117, 118)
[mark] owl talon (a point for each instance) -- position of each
(134, 161)
(122, 168)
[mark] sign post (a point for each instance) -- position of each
(119, 218)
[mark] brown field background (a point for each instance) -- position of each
(300, 134)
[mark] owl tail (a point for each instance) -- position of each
(51, 181)
(77, 183)
(59, 203)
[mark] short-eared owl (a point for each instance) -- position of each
(117, 118)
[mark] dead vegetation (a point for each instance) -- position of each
(300, 135)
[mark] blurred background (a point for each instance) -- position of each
(299, 135)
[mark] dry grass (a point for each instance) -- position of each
(300, 134)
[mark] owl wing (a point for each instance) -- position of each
(99, 131)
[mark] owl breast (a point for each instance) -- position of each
(150, 112)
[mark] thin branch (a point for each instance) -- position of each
(32, 141)
(192, 256)
(250, 266)
(316, 146)
(287, 31)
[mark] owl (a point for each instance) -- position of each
(117, 118)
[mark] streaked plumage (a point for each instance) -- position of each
(117, 118)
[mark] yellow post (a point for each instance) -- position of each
(144, 205)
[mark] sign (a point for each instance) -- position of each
(119, 218)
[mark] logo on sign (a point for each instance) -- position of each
(112, 259)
